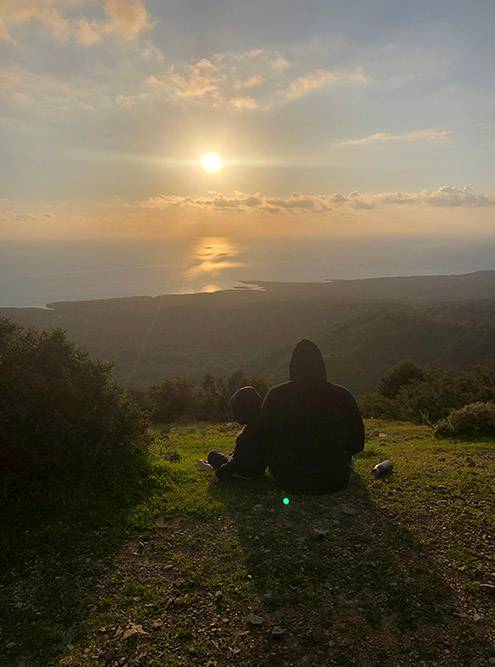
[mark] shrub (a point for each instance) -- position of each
(471, 421)
(170, 400)
(60, 414)
(427, 395)
(178, 399)
(399, 376)
(374, 405)
(212, 399)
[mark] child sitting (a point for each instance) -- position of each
(248, 459)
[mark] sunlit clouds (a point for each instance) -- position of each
(242, 218)
(445, 196)
(250, 80)
(140, 119)
(429, 135)
(124, 19)
(320, 79)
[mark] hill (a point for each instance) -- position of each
(362, 326)
(387, 572)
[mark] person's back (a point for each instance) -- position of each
(312, 427)
(249, 458)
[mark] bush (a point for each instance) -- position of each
(60, 414)
(399, 376)
(472, 421)
(427, 395)
(374, 405)
(170, 400)
(177, 399)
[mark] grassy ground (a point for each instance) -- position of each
(168, 570)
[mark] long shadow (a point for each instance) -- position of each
(56, 542)
(343, 584)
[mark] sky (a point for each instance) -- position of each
(369, 118)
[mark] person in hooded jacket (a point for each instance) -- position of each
(311, 427)
(248, 460)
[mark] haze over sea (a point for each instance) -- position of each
(33, 274)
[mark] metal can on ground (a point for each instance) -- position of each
(383, 468)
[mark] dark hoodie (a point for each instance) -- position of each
(311, 427)
(248, 458)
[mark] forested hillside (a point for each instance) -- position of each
(362, 326)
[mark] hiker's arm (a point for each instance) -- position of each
(268, 421)
(355, 433)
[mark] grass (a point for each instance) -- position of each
(167, 570)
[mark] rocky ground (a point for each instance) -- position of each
(398, 571)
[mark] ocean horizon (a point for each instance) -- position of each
(34, 274)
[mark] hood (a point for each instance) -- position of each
(307, 364)
(246, 405)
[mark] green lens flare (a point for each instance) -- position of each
(286, 501)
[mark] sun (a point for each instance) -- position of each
(211, 162)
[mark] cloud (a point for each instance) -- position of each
(25, 92)
(88, 32)
(242, 202)
(309, 82)
(200, 80)
(453, 196)
(11, 212)
(248, 103)
(44, 12)
(11, 80)
(29, 217)
(447, 196)
(246, 80)
(429, 135)
(124, 19)
(321, 78)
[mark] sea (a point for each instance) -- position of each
(37, 273)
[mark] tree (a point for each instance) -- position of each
(60, 413)
(171, 400)
(399, 375)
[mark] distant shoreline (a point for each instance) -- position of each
(249, 286)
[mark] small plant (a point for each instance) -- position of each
(471, 421)
(424, 417)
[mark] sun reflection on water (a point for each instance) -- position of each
(212, 255)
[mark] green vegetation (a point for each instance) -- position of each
(475, 420)
(426, 395)
(180, 399)
(61, 416)
(164, 569)
(363, 327)
(117, 551)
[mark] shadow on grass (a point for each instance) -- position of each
(56, 542)
(345, 583)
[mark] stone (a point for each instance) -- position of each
(277, 632)
(254, 619)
